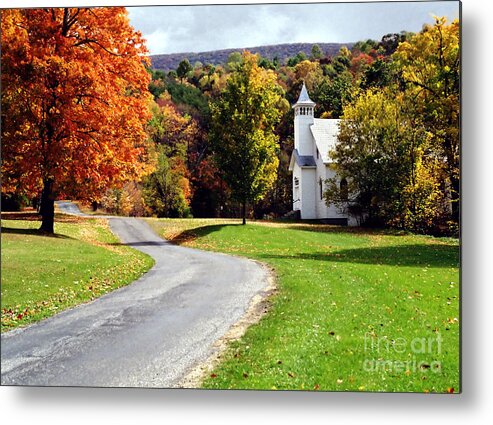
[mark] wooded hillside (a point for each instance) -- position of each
(217, 57)
(200, 146)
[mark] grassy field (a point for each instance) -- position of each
(355, 310)
(42, 275)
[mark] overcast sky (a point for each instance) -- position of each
(177, 29)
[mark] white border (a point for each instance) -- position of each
(126, 406)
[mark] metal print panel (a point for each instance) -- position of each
(258, 197)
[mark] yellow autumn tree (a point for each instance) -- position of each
(167, 191)
(398, 146)
(429, 63)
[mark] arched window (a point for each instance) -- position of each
(320, 183)
(344, 190)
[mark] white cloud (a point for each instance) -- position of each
(173, 29)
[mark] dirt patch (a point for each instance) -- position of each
(30, 215)
(33, 215)
(258, 307)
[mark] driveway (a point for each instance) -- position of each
(147, 334)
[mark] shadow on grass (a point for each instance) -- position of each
(33, 232)
(198, 232)
(432, 255)
(307, 226)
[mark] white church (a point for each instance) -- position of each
(311, 165)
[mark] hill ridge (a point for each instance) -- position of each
(169, 61)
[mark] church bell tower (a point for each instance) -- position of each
(303, 119)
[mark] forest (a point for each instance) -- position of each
(399, 99)
(280, 52)
(189, 143)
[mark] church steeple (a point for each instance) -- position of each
(304, 105)
(303, 119)
(304, 98)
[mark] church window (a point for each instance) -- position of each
(321, 188)
(344, 190)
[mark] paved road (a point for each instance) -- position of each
(68, 207)
(147, 334)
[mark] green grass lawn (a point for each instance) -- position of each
(355, 310)
(42, 275)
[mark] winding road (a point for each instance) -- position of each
(147, 334)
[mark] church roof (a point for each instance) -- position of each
(325, 133)
(303, 161)
(304, 99)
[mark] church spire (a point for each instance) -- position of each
(304, 99)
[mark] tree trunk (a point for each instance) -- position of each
(243, 212)
(47, 207)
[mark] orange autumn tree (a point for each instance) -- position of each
(74, 103)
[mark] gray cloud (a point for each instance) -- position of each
(174, 29)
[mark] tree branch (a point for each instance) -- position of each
(90, 41)
(423, 86)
